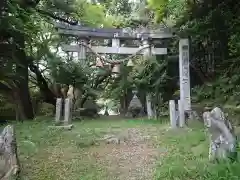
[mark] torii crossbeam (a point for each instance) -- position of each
(110, 33)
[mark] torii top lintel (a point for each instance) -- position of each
(110, 33)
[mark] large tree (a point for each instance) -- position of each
(29, 42)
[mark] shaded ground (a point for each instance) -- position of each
(147, 150)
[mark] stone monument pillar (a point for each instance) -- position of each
(184, 74)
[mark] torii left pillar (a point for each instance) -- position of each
(82, 52)
(147, 54)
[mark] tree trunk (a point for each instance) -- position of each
(24, 95)
(122, 106)
(20, 114)
(13, 95)
(84, 99)
(22, 81)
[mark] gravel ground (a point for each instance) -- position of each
(133, 159)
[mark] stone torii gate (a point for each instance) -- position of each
(147, 39)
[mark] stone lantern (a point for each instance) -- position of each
(116, 69)
(99, 62)
(130, 63)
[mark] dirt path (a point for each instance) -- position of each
(133, 159)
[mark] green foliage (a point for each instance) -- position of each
(68, 73)
(159, 7)
(222, 90)
(7, 108)
(90, 14)
(168, 11)
(152, 75)
(45, 109)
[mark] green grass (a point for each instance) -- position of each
(187, 158)
(51, 154)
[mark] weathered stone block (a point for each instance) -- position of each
(223, 142)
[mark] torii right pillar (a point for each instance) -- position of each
(184, 74)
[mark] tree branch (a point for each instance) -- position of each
(49, 96)
(33, 81)
(33, 86)
(48, 14)
(4, 87)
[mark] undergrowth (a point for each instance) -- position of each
(223, 92)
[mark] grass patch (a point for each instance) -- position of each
(187, 158)
(53, 154)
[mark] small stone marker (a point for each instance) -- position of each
(181, 114)
(65, 127)
(149, 106)
(221, 134)
(58, 110)
(66, 124)
(172, 109)
(68, 111)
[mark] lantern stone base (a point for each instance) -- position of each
(65, 127)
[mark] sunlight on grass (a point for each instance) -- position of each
(51, 154)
